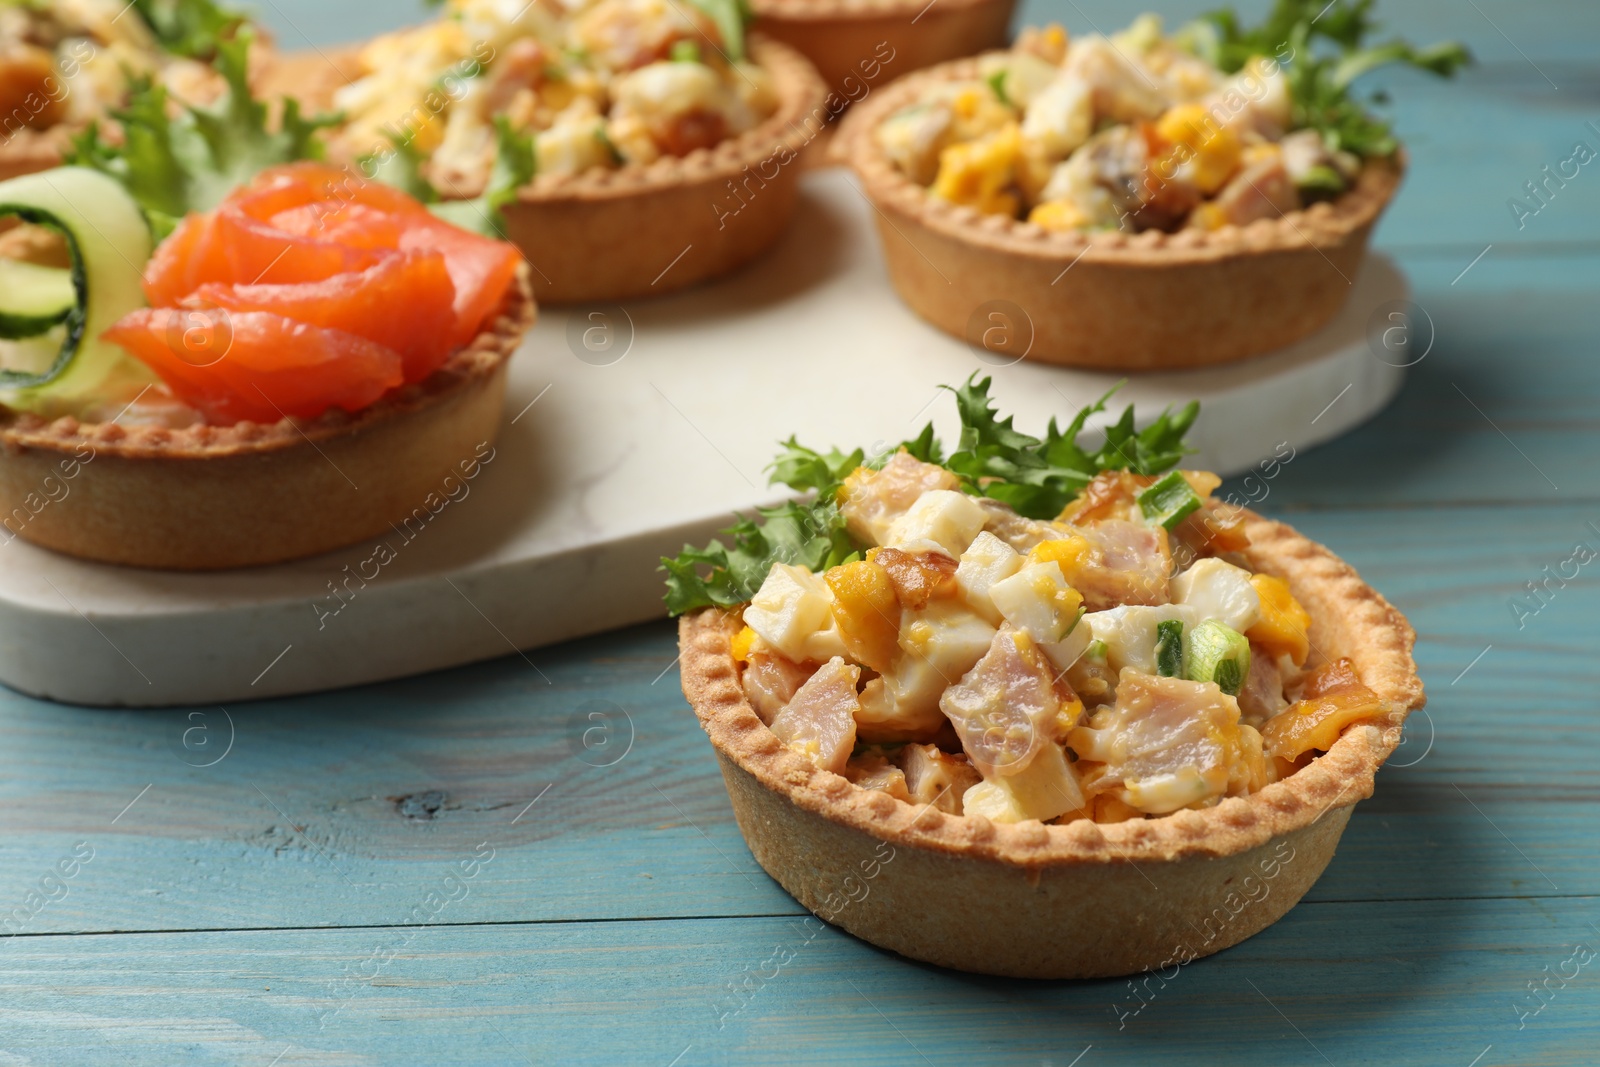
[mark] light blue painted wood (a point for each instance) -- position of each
(1435, 982)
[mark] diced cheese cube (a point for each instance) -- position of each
(1220, 591)
(1038, 601)
(986, 561)
(1047, 787)
(1129, 632)
(949, 519)
(792, 612)
(946, 636)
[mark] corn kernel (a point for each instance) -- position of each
(1059, 215)
(743, 641)
(1213, 149)
(977, 173)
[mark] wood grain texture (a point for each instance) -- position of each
(360, 878)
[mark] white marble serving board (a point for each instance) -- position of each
(607, 462)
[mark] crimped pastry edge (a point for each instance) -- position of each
(1371, 632)
(828, 10)
(478, 359)
(1324, 223)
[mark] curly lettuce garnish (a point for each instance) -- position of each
(1036, 477)
(1322, 48)
(174, 165)
(401, 165)
(193, 28)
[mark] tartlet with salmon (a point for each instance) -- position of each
(1031, 710)
(197, 374)
(1148, 200)
(665, 142)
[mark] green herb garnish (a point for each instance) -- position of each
(193, 28)
(730, 17)
(173, 165)
(1322, 48)
(1035, 477)
(401, 166)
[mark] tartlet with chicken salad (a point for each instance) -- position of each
(1149, 200)
(856, 44)
(1102, 721)
(254, 358)
(664, 139)
(69, 63)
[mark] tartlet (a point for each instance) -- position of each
(1129, 202)
(639, 228)
(855, 44)
(1153, 860)
(206, 497)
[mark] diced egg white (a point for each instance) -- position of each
(792, 612)
(1047, 787)
(572, 147)
(986, 561)
(947, 637)
(1220, 591)
(1060, 118)
(1038, 601)
(945, 517)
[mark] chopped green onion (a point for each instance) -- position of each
(997, 82)
(1219, 653)
(1169, 648)
(1169, 501)
(1096, 651)
(684, 52)
(1322, 180)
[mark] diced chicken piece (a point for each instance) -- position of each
(1127, 563)
(1060, 118)
(1004, 709)
(1045, 788)
(872, 770)
(1109, 495)
(902, 704)
(684, 105)
(941, 519)
(820, 722)
(1220, 591)
(918, 577)
(947, 636)
(873, 499)
(770, 681)
(986, 561)
(1130, 632)
(1038, 601)
(1015, 530)
(1122, 91)
(1332, 698)
(936, 778)
(792, 612)
(1262, 190)
(1166, 744)
(31, 93)
(1262, 695)
(912, 138)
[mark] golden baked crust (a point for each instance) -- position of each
(1187, 860)
(1143, 301)
(644, 230)
(208, 497)
(839, 36)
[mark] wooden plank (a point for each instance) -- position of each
(1338, 983)
(652, 834)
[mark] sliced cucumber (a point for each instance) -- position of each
(109, 243)
(33, 298)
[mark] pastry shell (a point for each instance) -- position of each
(648, 229)
(1079, 900)
(846, 39)
(209, 497)
(1111, 300)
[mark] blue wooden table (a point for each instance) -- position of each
(440, 870)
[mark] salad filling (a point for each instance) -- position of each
(65, 63)
(597, 83)
(1214, 125)
(1023, 629)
